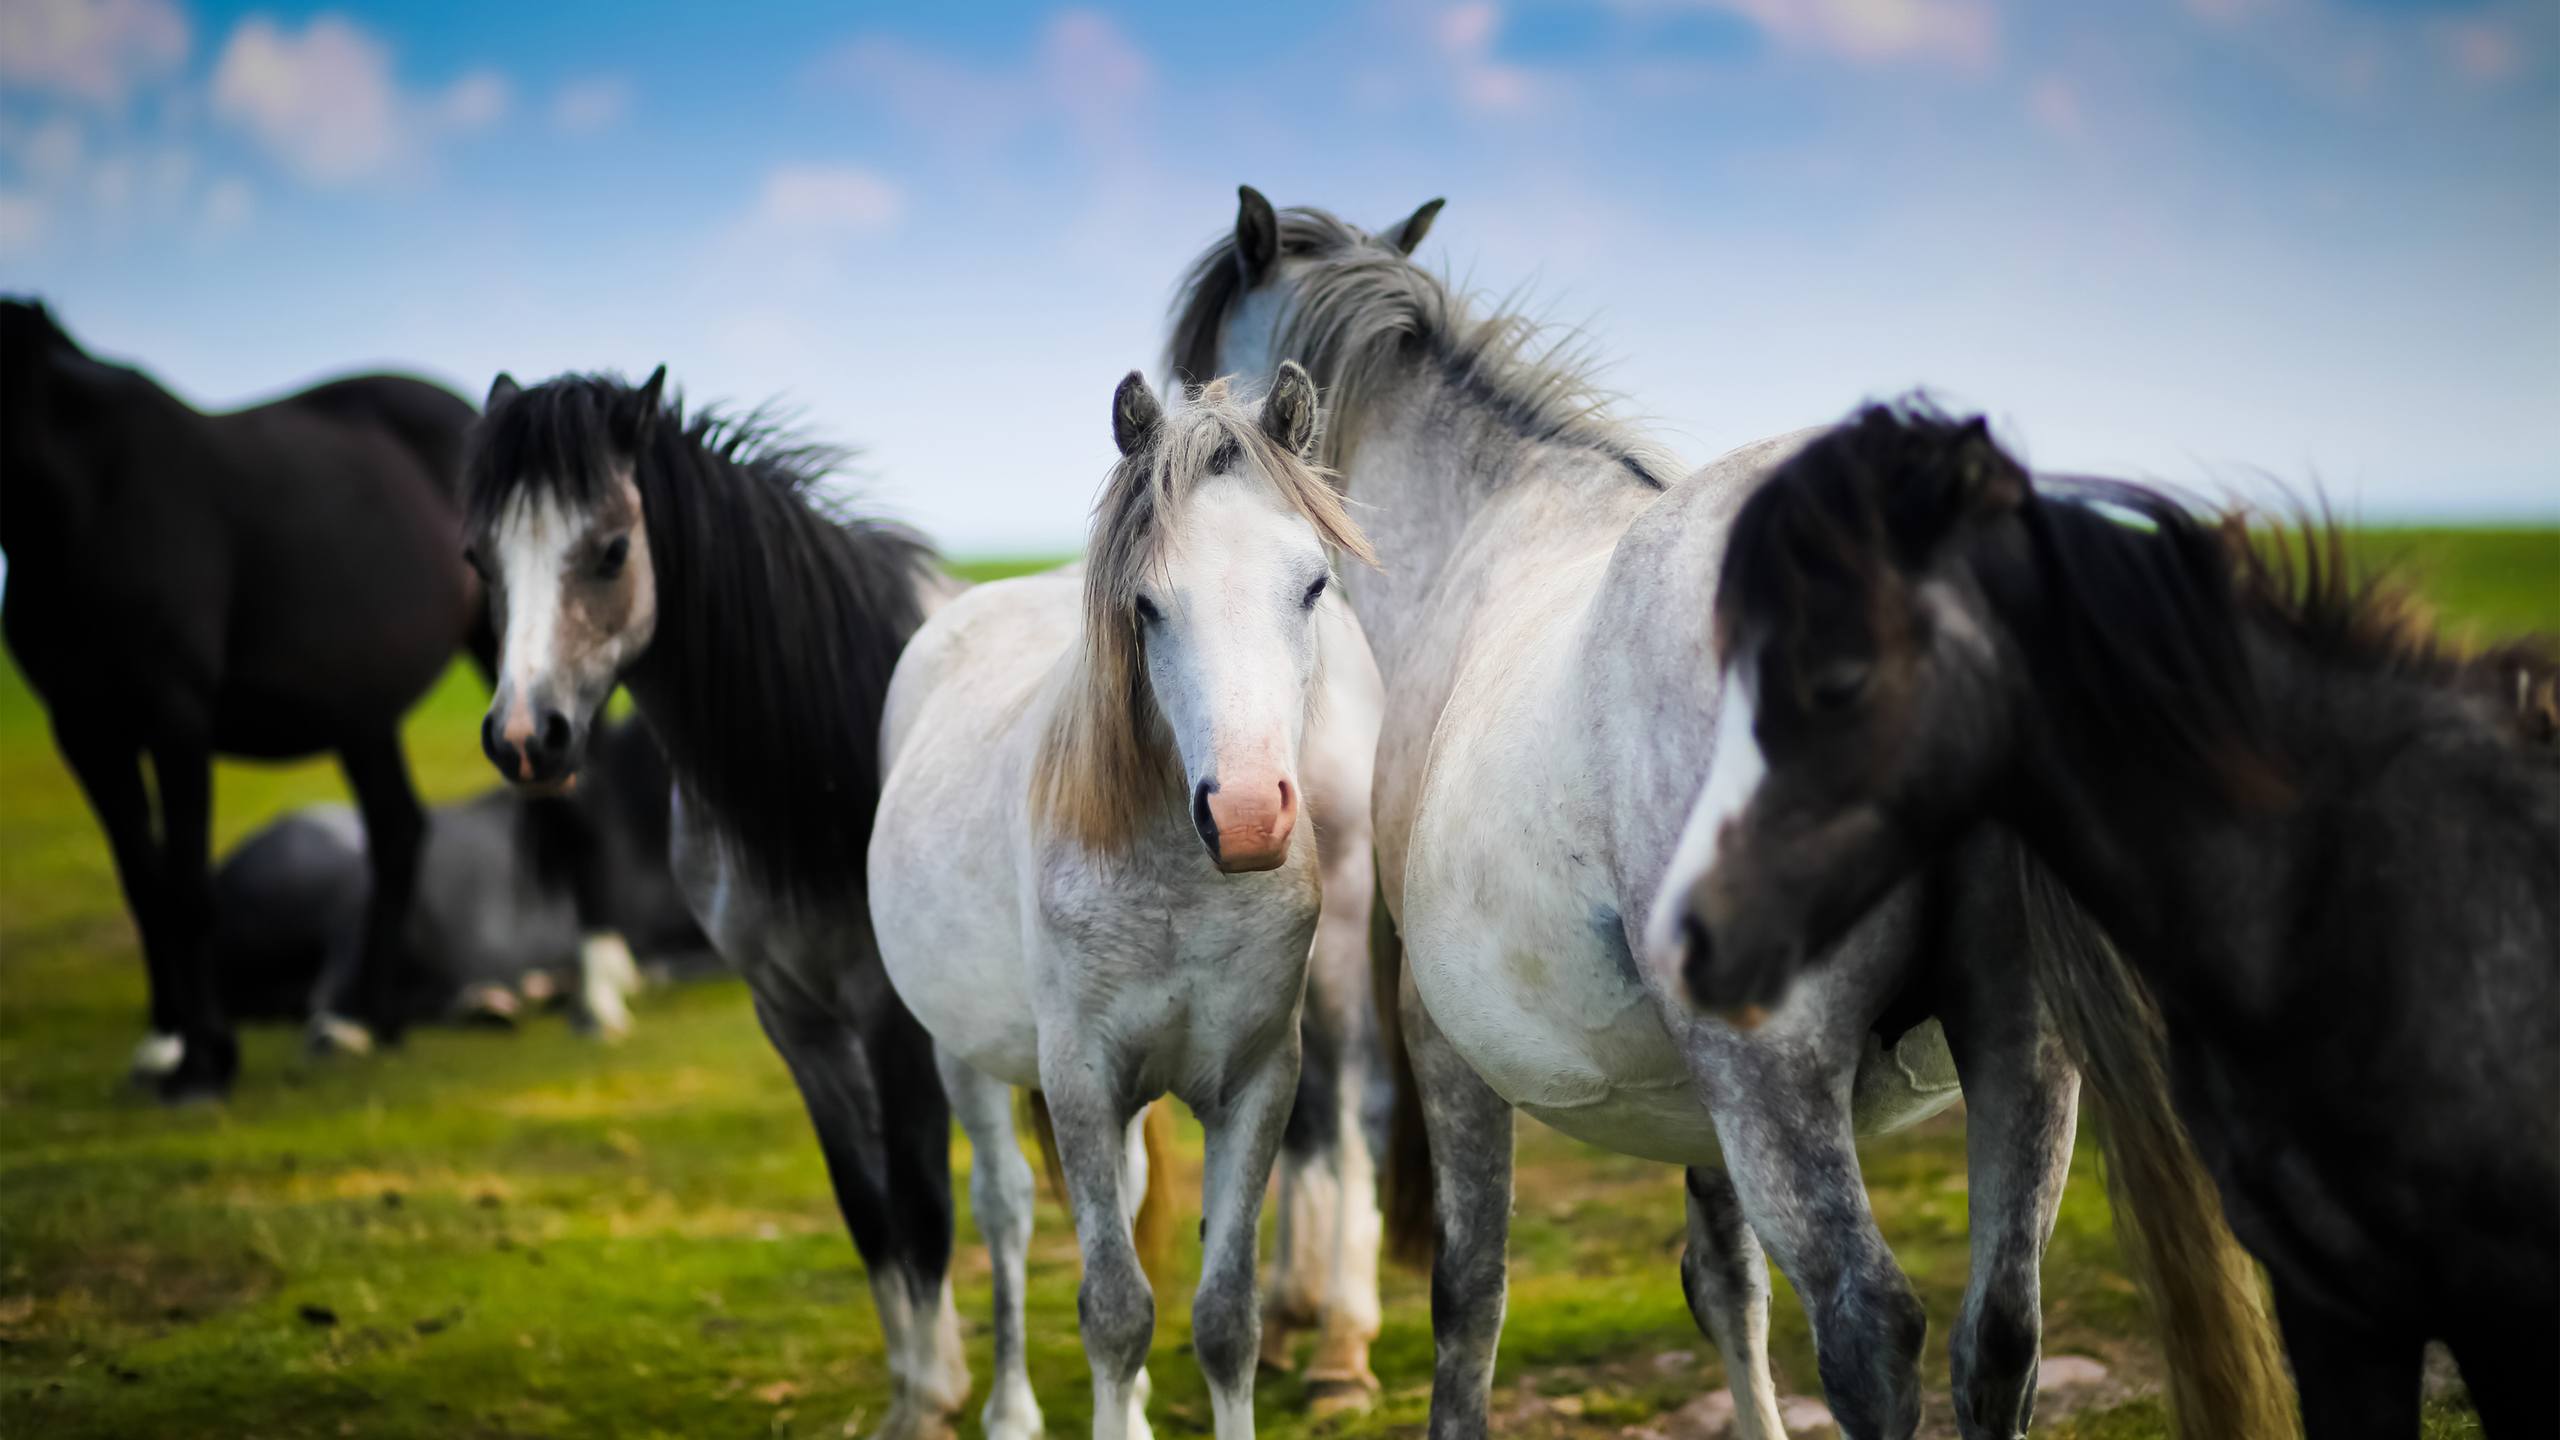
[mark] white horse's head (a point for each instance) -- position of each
(1242, 296)
(1208, 559)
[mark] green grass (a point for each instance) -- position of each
(530, 1234)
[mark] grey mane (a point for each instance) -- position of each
(1360, 308)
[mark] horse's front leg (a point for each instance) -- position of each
(1243, 1130)
(1726, 1279)
(1100, 1149)
(1470, 1136)
(1001, 1195)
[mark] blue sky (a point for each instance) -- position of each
(2195, 240)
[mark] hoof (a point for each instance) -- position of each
(1333, 1396)
(337, 1035)
(907, 1423)
(157, 1055)
(204, 1071)
(494, 1006)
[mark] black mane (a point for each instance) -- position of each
(2137, 604)
(778, 623)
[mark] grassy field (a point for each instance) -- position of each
(484, 1234)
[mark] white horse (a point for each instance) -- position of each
(1082, 874)
(1551, 688)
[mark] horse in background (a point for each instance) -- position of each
(1550, 699)
(271, 583)
(691, 560)
(2321, 852)
(520, 898)
(1084, 877)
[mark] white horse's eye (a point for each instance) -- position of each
(1315, 592)
(1147, 612)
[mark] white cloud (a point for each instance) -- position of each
(227, 209)
(24, 219)
(2483, 52)
(1871, 32)
(827, 202)
(326, 103)
(473, 103)
(95, 50)
(591, 106)
(1464, 34)
(1084, 72)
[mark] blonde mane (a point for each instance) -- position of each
(1105, 767)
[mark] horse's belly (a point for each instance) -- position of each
(1561, 1031)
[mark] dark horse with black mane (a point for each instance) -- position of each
(272, 583)
(625, 544)
(2327, 845)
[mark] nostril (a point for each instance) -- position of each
(555, 732)
(491, 744)
(1288, 800)
(1201, 820)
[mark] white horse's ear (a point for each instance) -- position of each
(1289, 411)
(1407, 236)
(1257, 236)
(641, 425)
(501, 390)
(1134, 414)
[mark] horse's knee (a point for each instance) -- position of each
(1994, 1354)
(1225, 1332)
(1869, 1328)
(1117, 1314)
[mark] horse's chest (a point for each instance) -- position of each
(1175, 974)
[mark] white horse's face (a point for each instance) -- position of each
(1229, 620)
(576, 602)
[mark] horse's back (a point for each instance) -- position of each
(431, 421)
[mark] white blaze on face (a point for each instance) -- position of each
(1734, 773)
(532, 541)
(1233, 659)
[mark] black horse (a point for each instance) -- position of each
(2327, 844)
(272, 583)
(757, 631)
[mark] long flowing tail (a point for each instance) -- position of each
(1152, 1231)
(2227, 1377)
(1405, 1181)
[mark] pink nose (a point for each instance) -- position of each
(1246, 825)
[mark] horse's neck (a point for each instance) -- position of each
(1453, 498)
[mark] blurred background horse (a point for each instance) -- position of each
(271, 583)
(521, 898)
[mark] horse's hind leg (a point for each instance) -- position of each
(2356, 1382)
(1243, 1135)
(882, 1121)
(395, 830)
(2021, 1098)
(1789, 1147)
(1001, 1196)
(212, 1053)
(2506, 1364)
(1470, 1131)
(1325, 1271)
(1726, 1279)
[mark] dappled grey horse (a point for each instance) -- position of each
(1550, 699)
(1087, 874)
